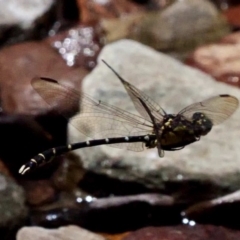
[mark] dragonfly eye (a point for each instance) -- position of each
(198, 116)
(202, 124)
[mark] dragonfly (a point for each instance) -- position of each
(152, 127)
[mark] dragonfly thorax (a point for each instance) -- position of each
(176, 132)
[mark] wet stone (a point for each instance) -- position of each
(97, 214)
(222, 211)
(207, 232)
(79, 46)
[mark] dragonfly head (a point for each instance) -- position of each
(202, 125)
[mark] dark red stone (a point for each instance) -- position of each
(19, 64)
(93, 11)
(220, 60)
(198, 232)
(232, 15)
(26, 126)
(39, 192)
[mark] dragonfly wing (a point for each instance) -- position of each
(135, 95)
(96, 119)
(101, 120)
(217, 109)
(57, 97)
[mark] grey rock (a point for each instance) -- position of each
(23, 13)
(12, 203)
(21, 20)
(177, 29)
(174, 86)
(67, 233)
(181, 27)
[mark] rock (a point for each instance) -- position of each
(129, 212)
(176, 29)
(221, 60)
(27, 12)
(225, 4)
(232, 15)
(207, 232)
(116, 29)
(119, 236)
(213, 161)
(22, 62)
(79, 46)
(21, 20)
(180, 27)
(93, 11)
(4, 170)
(69, 174)
(24, 112)
(233, 38)
(219, 210)
(39, 192)
(67, 233)
(16, 151)
(12, 204)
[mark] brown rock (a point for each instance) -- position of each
(184, 233)
(92, 11)
(233, 38)
(22, 105)
(219, 210)
(114, 236)
(19, 64)
(232, 15)
(68, 174)
(4, 170)
(39, 192)
(221, 60)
